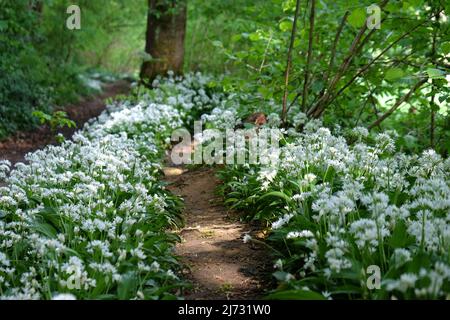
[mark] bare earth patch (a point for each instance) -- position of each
(219, 264)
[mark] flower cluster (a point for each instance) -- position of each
(89, 218)
(340, 208)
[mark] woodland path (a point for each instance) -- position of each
(17, 146)
(218, 263)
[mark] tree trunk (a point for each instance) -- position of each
(166, 28)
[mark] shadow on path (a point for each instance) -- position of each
(219, 264)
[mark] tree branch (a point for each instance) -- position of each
(399, 102)
(289, 61)
(433, 90)
(319, 107)
(309, 58)
(367, 66)
(334, 47)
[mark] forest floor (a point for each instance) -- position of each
(218, 263)
(17, 146)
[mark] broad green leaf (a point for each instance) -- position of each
(285, 25)
(399, 236)
(265, 92)
(445, 48)
(413, 3)
(357, 18)
(236, 37)
(393, 74)
(347, 289)
(295, 295)
(277, 194)
(435, 73)
(3, 25)
(289, 5)
(127, 286)
(44, 228)
(255, 36)
(281, 275)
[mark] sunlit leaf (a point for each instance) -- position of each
(357, 18)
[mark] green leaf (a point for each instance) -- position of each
(289, 5)
(393, 74)
(276, 194)
(281, 275)
(254, 36)
(236, 38)
(217, 43)
(445, 48)
(44, 229)
(127, 286)
(399, 235)
(265, 92)
(413, 3)
(295, 295)
(435, 73)
(347, 289)
(420, 261)
(285, 25)
(3, 25)
(357, 18)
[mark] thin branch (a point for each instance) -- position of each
(367, 66)
(265, 53)
(433, 59)
(309, 57)
(332, 58)
(369, 35)
(311, 81)
(289, 62)
(369, 97)
(334, 47)
(319, 107)
(399, 102)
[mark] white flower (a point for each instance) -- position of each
(360, 132)
(278, 264)
(282, 221)
(406, 281)
(247, 238)
(300, 234)
(64, 296)
(402, 256)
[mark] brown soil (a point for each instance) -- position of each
(218, 263)
(16, 147)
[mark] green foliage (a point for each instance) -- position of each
(310, 206)
(91, 217)
(41, 60)
(252, 40)
(216, 27)
(32, 79)
(55, 121)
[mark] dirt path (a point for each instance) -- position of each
(219, 264)
(16, 147)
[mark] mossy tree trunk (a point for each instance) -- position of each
(166, 28)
